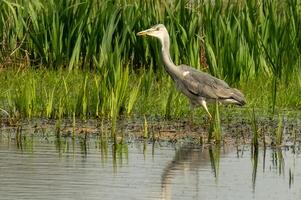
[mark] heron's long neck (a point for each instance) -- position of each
(170, 67)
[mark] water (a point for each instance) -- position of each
(40, 168)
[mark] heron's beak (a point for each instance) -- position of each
(145, 32)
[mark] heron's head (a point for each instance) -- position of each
(158, 31)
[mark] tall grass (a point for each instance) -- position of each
(241, 39)
(242, 42)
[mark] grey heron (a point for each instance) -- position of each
(198, 86)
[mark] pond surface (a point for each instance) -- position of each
(41, 168)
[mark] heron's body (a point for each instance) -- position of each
(198, 86)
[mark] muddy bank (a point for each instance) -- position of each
(234, 130)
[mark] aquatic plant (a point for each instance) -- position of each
(215, 131)
(255, 46)
(279, 131)
(255, 130)
(145, 128)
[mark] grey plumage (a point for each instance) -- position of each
(198, 86)
(201, 84)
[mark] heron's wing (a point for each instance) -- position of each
(204, 85)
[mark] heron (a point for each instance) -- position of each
(198, 86)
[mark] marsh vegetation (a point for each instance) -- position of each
(81, 59)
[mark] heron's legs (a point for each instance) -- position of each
(203, 102)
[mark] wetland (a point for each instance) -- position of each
(88, 112)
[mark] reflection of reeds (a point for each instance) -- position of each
(103, 145)
(214, 154)
(24, 141)
(278, 160)
(119, 150)
(254, 159)
(254, 148)
(291, 178)
(58, 124)
(83, 141)
(19, 137)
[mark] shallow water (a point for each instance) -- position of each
(41, 168)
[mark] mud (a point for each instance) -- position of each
(234, 130)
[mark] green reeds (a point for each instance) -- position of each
(279, 131)
(251, 38)
(242, 42)
(118, 93)
(134, 95)
(49, 101)
(82, 98)
(215, 130)
(25, 97)
(145, 129)
(255, 130)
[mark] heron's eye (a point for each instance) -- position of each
(157, 29)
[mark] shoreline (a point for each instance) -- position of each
(172, 131)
